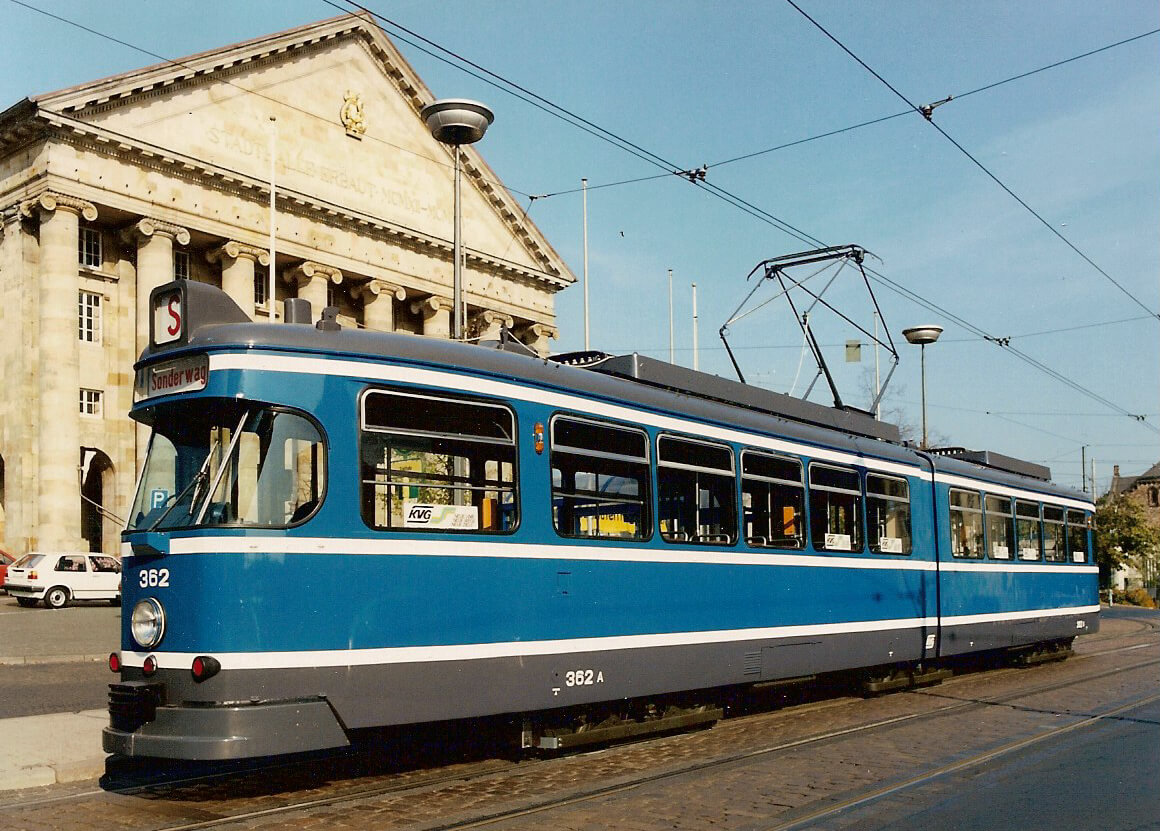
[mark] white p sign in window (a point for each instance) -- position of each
(168, 317)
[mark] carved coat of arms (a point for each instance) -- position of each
(352, 115)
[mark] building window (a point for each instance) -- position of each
(182, 265)
(1154, 497)
(260, 285)
(91, 403)
(90, 247)
(89, 317)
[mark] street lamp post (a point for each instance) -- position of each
(922, 335)
(457, 121)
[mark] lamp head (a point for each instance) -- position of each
(457, 120)
(922, 335)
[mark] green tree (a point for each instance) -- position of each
(1123, 536)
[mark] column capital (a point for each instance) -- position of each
(303, 273)
(10, 214)
(488, 324)
(50, 201)
(145, 228)
(488, 317)
(375, 287)
(234, 250)
(431, 306)
(539, 331)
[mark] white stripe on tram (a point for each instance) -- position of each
(308, 659)
(451, 547)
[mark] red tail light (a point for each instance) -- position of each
(204, 667)
(150, 665)
(115, 662)
(32, 575)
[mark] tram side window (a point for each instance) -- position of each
(1054, 542)
(1077, 536)
(1027, 530)
(888, 514)
(600, 480)
(966, 524)
(437, 464)
(695, 487)
(772, 501)
(835, 508)
(1000, 527)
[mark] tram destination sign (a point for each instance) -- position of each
(180, 375)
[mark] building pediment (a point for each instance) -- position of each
(335, 106)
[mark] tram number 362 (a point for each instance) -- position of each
(152, 578)
(583, 677)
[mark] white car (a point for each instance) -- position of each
(60, 578)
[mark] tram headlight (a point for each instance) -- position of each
(148, 623)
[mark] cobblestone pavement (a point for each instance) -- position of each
(790, 767)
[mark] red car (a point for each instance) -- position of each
(6, 560)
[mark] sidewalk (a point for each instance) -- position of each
(50, 750)
(62, 747)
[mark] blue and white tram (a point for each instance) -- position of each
(338, 529)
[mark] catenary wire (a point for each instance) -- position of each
(761, 214)
(976, 162)
(628, 146)
(955, 97)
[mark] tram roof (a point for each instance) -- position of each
(632, 380)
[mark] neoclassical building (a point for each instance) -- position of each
(114, 187)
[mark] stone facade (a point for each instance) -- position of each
(112, 188)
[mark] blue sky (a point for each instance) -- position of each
(703, 83)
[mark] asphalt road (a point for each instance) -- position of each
(1099, 777)
(53, 661)
(53, 688)
(90, 629)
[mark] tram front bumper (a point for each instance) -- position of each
(227, 732)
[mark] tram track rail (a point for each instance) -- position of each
(799, 821)
(973, 761)
(478, 774)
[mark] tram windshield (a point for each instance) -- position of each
(230, 465)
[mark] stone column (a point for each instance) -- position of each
(16, 421)
(378, 297)
(436, 314)
(537, 336)
(487, 324)
(58, 372)
(239, 270)
(310, 279)
(154, 240)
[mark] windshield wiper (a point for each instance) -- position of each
(201, 476)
